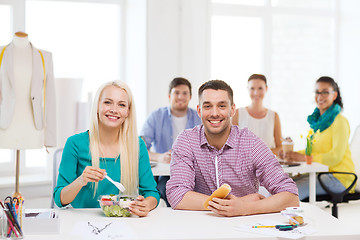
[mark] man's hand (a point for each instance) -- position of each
(234, 206)
(165, 157)
(160, 157)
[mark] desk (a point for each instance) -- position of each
(312, 170)
(165, 223)
(163, 169)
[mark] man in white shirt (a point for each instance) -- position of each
(164, 125)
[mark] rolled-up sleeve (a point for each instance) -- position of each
(182, 173)
(269, 172)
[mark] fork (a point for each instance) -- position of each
(117, 184)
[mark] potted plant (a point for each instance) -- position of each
(310, 139)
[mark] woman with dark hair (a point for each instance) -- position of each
(332, 133)
(263, 122)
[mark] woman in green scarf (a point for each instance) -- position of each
(331, 145)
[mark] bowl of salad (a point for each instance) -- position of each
(116, 205)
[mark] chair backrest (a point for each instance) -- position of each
(355, 153)
(56, 164)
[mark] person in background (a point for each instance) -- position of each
(215, 153)
(262, 121)
(111, 147)
(332, 141)
(164, 125)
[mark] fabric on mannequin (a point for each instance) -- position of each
(22, 121)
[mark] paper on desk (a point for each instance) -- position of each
(114, 230)
(297, 233)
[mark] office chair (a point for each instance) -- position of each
(344, 196)
(56, 164)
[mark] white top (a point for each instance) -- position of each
(178, 125)
(262, 128)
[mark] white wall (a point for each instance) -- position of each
(349, 60)
(177, 46)
(178, 38)
(135, 64)
(163, 50)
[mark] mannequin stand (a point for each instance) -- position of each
(17, 174)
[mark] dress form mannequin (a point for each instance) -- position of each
(18, 130)
(22, 134)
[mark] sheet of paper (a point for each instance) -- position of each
(103, 230)
(296, 233)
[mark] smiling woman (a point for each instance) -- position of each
(332, 132)
(113, 109)
(263, 122)
(115, 150)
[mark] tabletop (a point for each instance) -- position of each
(165, 223)
(163, 169)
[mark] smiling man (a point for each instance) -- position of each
(164, 125)
(215, 153)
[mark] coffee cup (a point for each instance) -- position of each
(287, 146)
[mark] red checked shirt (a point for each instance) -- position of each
(244, 162)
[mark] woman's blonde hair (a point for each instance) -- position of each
(128, 141)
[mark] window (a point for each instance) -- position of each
(292, 50)
(5, 19)
(84, 37)
(5, 38)
(303, 49)
(235, 52)
(242, 2)
(309, 4)
(85, 45)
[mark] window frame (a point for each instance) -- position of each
(265, 13)
(18, 16)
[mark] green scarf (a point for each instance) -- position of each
(324, 121)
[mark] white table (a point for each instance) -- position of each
(165, 223)
(163, 169)
(312, 170)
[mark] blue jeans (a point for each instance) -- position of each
(332, 182)
(161, 186)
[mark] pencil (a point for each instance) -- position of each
(8, 218)
(13, 219)
(275, 226)
(263, 226)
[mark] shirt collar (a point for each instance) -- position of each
(188, 113)
(230, 142)
(169, 111)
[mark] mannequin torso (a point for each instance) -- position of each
(22, 134)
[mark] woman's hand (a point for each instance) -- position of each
(291, 156)
(142, 206)
(281, 154)
(91, 174)
(294, 157)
